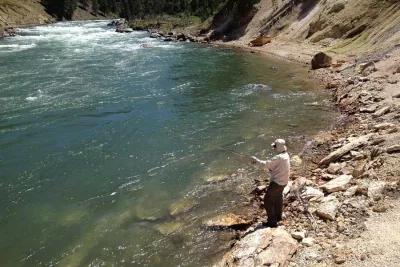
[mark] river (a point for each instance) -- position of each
(101, 132)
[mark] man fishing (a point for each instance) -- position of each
(279, 169)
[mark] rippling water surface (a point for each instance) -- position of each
(101, 133)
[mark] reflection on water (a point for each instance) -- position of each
(110, 152)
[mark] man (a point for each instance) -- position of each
(279, 169)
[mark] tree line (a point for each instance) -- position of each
(130, 9)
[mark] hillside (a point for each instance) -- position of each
(22, 12)
(345, 26)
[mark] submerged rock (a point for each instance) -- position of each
(257, 88)
(168, 228)
(182, 206)
(217, 178)
(264, 247)
(229, 220)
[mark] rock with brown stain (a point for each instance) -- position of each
(321, 60)
(260, 41)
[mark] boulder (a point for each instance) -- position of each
(300, 235)
(308, 241)
(10, 31)
(338, 184)
(181, 37)
(229, 220)
(335, 168)
(375, 189)
(321, 60)
(380, 207)
(155, 35)
(127, 30)
(264, 247)
(260, 41)
(366, 68)
(312, 193)
(351, 191)
(328, 208)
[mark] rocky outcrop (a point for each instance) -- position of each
(264, 247)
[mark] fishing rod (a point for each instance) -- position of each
(240, 157)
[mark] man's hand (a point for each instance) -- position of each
(253, 160)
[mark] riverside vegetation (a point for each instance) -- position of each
(344, 175)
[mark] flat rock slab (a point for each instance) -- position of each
(312, 193)
(338, 184)
(229, 220)
(264, 247)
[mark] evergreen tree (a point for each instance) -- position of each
(63, 9)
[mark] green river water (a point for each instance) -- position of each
(99, 136)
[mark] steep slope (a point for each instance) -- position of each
(22, 12)
(345, 26)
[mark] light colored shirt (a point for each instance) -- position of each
(278, 167)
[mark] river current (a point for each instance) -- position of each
(108, 143)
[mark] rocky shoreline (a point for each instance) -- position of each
(343, 176)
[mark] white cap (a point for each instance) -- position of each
(279, 145)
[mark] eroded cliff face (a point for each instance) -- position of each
(346, 26)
